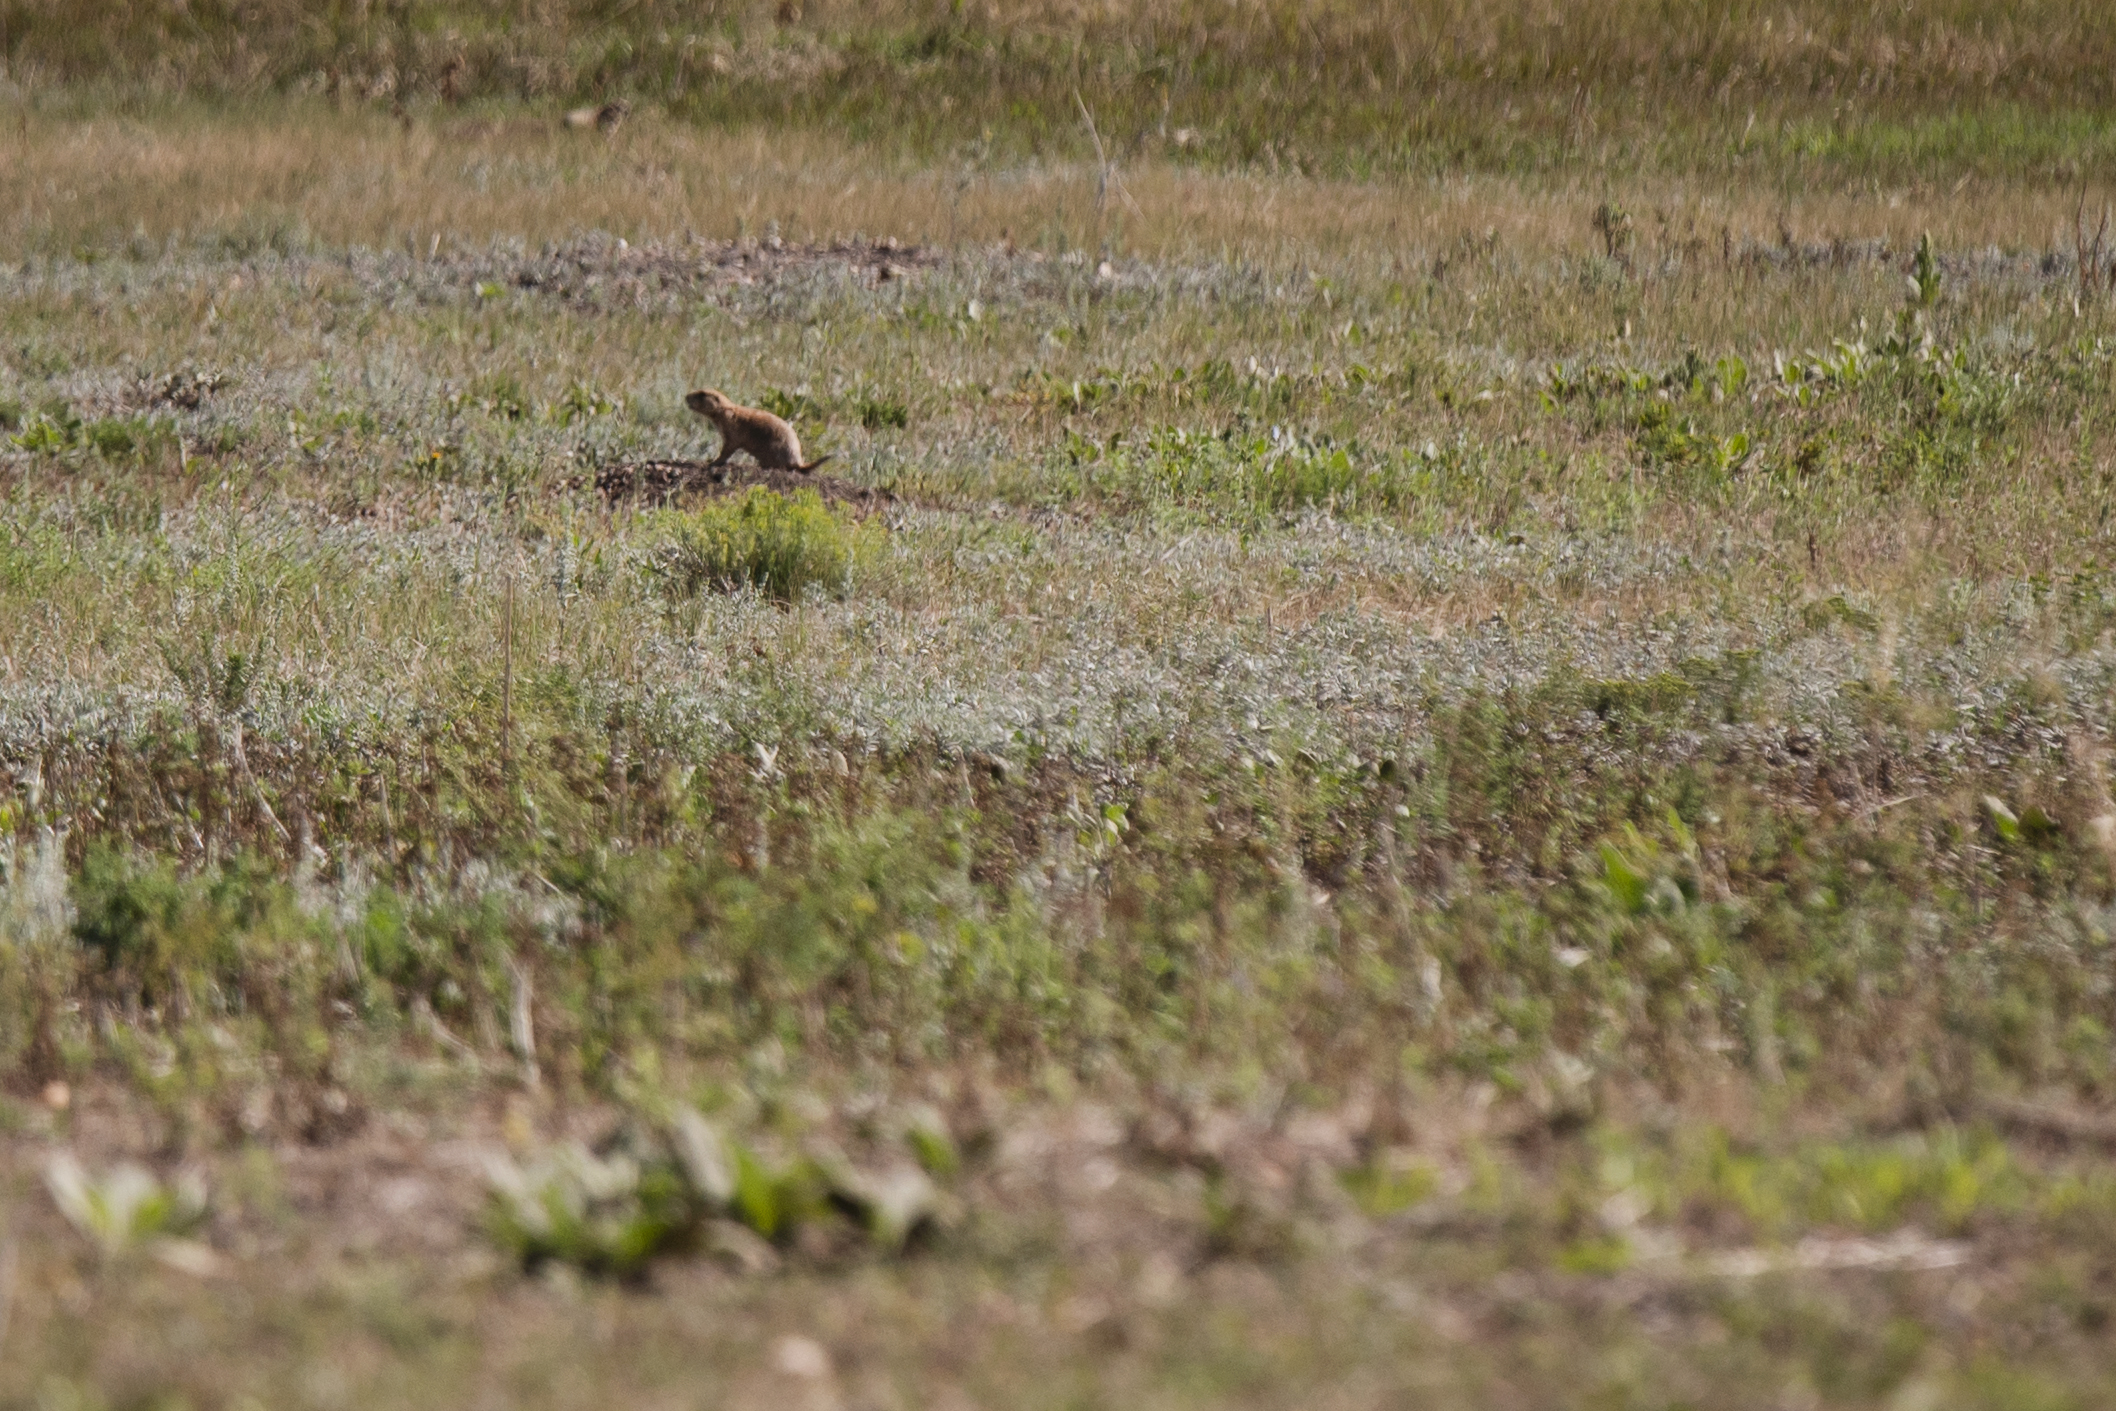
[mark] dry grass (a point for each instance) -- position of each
(2049, 50)
(292, 177)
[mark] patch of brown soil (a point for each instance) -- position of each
(602, 271)
(663, 482)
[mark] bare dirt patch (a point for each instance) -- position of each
(662, 482)
(573, 269)
(604, 271)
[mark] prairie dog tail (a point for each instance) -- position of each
(804, 469)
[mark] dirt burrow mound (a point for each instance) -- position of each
(662, 482)
(598, 269)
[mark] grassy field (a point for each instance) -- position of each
(1439, 737)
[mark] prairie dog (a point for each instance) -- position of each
(770, 441)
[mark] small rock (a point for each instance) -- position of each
(188, 1257)
(802, 1358)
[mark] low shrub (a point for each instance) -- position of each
(778, 544)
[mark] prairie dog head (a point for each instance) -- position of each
(709, 403)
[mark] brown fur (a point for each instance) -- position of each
(769, 441)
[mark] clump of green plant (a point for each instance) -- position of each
(1666, 439)
(148, 930)
(774, 1200)
(1383, 1186)
(792, 406)
(50, 432)
(126, 1209)
(875, 413)
(1942, 1179)
(582, 402)
(498, 395)
(781, 545)
(58, 429)
(121, 438)
(610, 1214)
(1925, 274)
(605, 1215)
